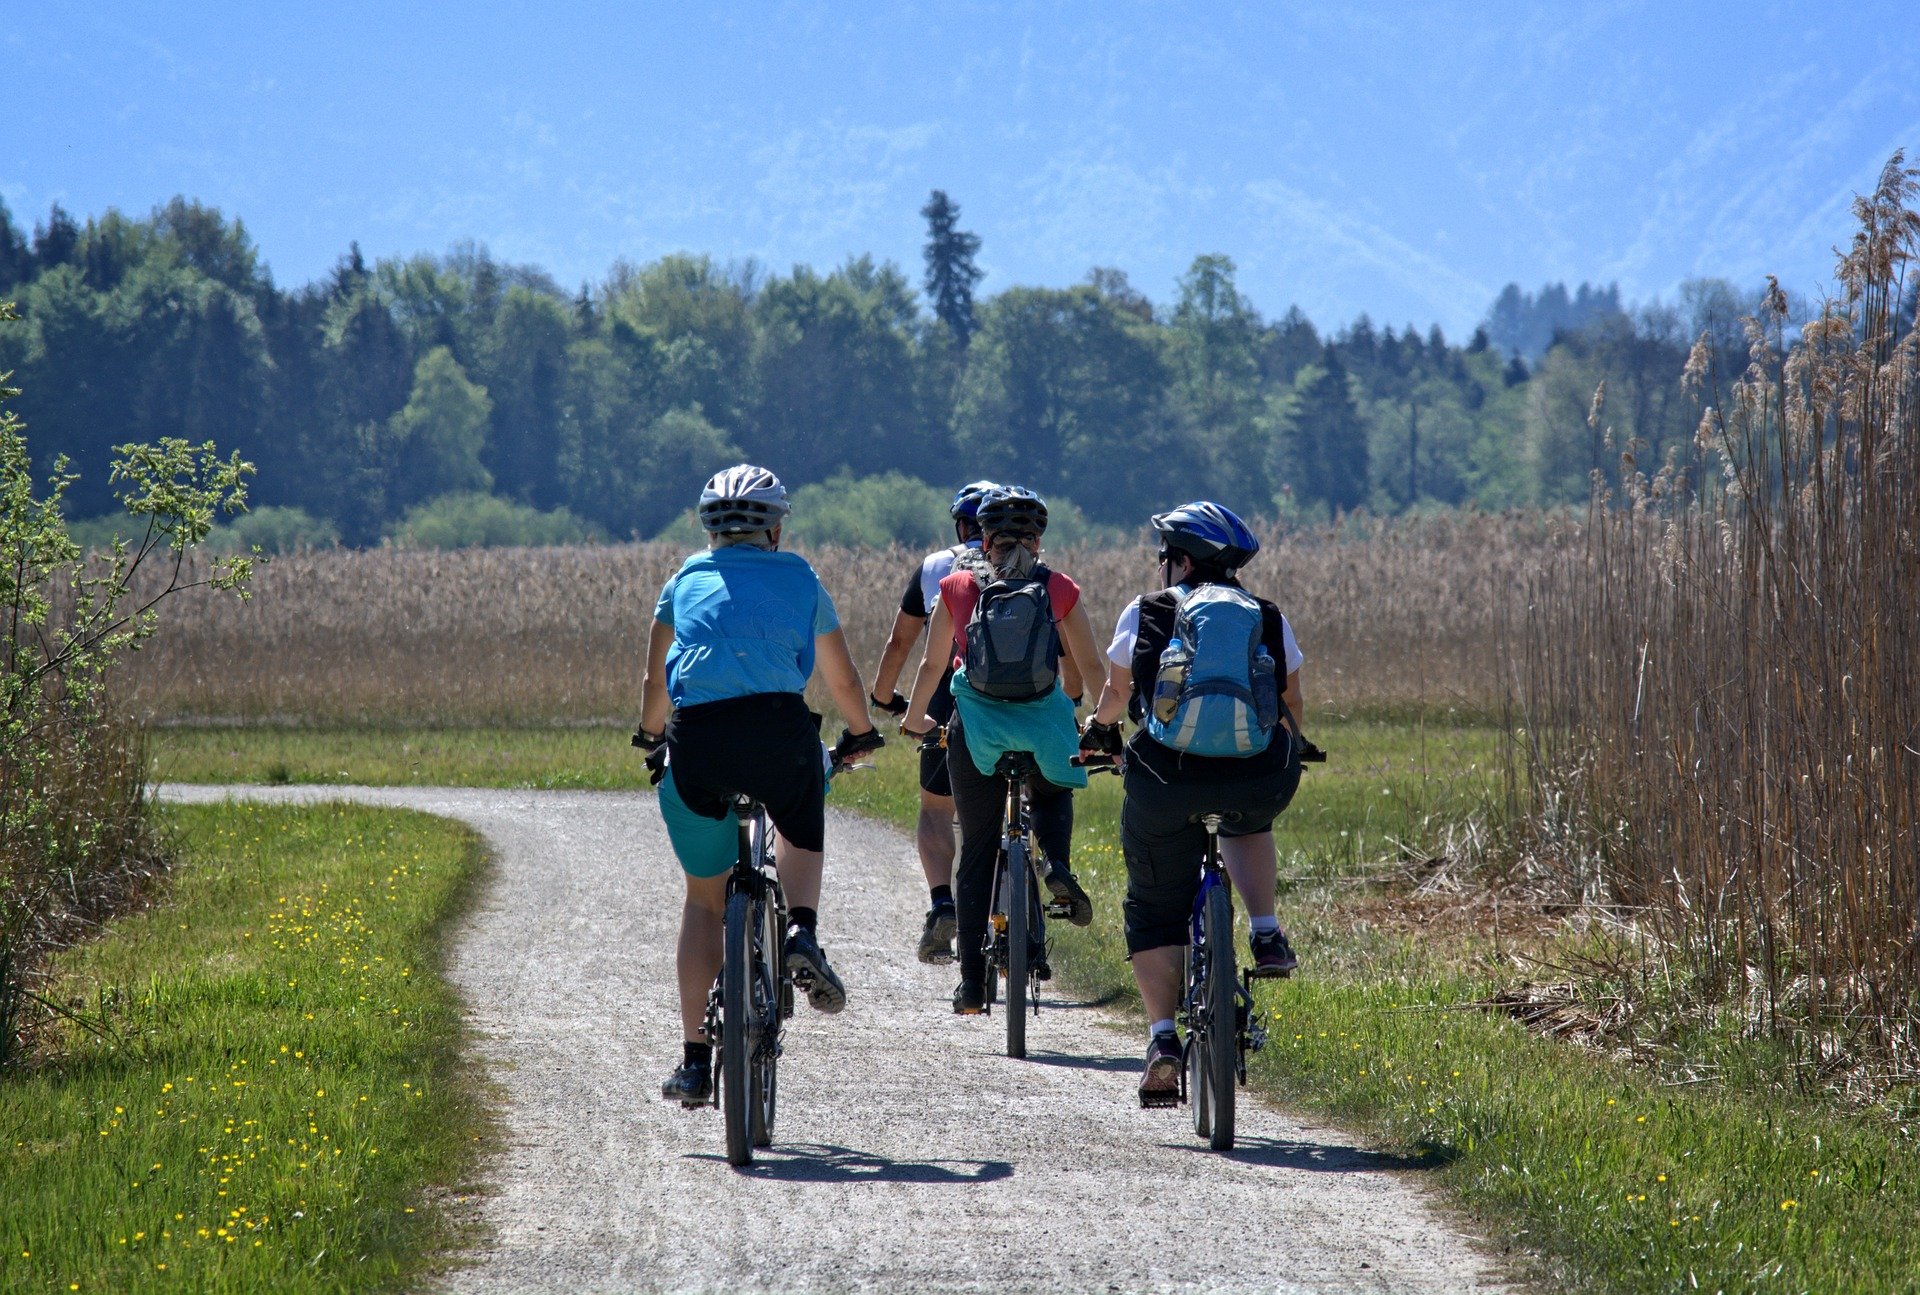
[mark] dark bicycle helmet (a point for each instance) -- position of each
(1012, 510)
(966, 504)
(1208, 533)
(743, 499)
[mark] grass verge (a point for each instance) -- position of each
(1619, 1181)
(270, 1092)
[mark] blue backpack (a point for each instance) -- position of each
(1216, 692)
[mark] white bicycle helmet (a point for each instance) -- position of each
(743, 499)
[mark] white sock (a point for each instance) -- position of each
(1160, 1027)
(1264, 925)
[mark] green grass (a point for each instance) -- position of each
(273, 1095)
(1619, 1181)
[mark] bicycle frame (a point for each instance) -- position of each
(1017, 915)
(753, 994)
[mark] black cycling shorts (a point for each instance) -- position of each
(933, 762)
(766, 746)
(1164, 849)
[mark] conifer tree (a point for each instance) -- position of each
(951, 272)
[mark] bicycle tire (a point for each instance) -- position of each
(767, 974)
(1222, 1016)
(1198, 1087)
(1016, 888)
(736, 1061)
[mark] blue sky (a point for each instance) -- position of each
(1405, 161)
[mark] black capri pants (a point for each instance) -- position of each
(1165, 849)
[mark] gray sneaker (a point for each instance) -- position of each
(691, 1085)
(936, 939)
(808, 967)
(1160, 1079)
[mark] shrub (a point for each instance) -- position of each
(274, 530)
(74, 834)
(473, 519)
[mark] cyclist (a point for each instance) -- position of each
(985, 726)
(1201, 544)
(934, 834)
(737, 632)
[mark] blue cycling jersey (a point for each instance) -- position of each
(744, 620)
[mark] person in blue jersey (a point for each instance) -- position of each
(737, 633)
(1202, 545)
(934, 834)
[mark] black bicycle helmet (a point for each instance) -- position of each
(743, 499)
(1012, 510)
(1208, 533)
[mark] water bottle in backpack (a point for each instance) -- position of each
(1169, 679)
(1226, 700)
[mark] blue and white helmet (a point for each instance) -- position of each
(1208, 533)
(966, 503)
(743, 499)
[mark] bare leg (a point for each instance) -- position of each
(1158, 973)
(1250, 862)
(799, 872)
(699, 957)
(934, 836)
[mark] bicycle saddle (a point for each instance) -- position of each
(1016, 764)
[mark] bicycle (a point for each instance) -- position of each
(1015, 928)
(1222, 1026)
(753, 996)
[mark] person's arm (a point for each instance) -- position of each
(1070, 679)
(834, 663)
(933, 666)
(906, 631)
(655, 709)
(1076, 635)
(1291, 696)
(1113, 702)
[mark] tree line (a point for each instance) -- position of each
(384, 391)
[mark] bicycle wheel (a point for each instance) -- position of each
(765, 1032)
(736, 1047)
(1220, 1012)
(1015, 890)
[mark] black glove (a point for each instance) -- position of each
(896, 707)
(648, 741)
(657, 764)
(1100, 739)
(1311, 754)
(851, 747)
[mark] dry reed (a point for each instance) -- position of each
(1399, 616)
(1722, 680)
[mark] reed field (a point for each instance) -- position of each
(1391, 617)
(1721, 687)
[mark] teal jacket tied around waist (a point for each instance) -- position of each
(1043, 726)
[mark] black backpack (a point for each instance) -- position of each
(1013, 647)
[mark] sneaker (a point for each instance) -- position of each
(1160, 1080)
(1272, 955)
(1065, 889)
(808, 967)
(969, 998)
(691, 1084)
(936, 939)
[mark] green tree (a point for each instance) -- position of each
(524, 368)
(1216, 392)
(951, 273)
(1067, 393)
(1323, 441)
(440, 433)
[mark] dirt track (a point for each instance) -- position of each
(910, 1154)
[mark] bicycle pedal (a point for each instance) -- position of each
(1159, 1101)
(1060, 910)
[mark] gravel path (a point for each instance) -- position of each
(910, 1154)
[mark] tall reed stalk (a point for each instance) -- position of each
(1721, 681)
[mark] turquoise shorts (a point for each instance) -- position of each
(706, 847)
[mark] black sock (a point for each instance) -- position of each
(943, 895)
(804, 918)
(698, 1054)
